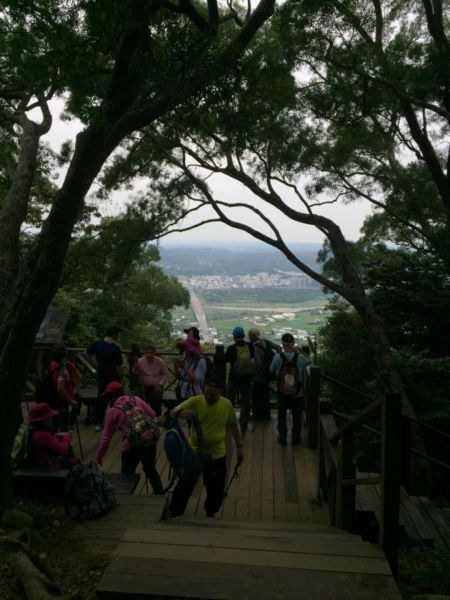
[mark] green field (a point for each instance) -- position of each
(247, 307)
(306, 321)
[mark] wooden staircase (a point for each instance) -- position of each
(218, 559)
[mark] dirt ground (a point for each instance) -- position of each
(73, 565)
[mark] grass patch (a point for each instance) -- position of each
(424, 570)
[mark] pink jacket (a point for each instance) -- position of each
(47, 447)
(115, 420)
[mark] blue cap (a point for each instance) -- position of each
(238, 332)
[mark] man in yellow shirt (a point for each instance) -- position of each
(216, 417)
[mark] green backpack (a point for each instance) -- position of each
(243, 367)
(19, 451)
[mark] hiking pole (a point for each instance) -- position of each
(234, 476)
(77, 428)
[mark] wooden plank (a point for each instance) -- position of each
(252, 540)
(280, 529)
(318, 507)
(423, 528)
(288, 560)
(437, 518)
(255, 495)
(134, 577)
(267, 509)
(279, 500)
(229, 504)
(124, 483)
(301, 469)
(245, 478)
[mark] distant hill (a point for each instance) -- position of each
(226, 258)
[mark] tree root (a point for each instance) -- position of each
(29, 569)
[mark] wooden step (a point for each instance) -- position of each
(171, 560)
(277, 527)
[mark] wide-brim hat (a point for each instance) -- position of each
(112, 386)
(41, 412)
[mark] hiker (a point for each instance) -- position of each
(263, 356)
(216, 417)
(191, 370)
(152, 374)
(192, 332)
(66, 381)
(117, 419)
(240, 356)
(48, 449)
(289, 368)
(108, 356)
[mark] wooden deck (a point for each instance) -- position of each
(419, 519)
(271, 540)
(274, 483)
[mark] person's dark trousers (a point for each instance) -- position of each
(260, 401)
(147, 456)
(294, 404)
(241, 387)
(214, 476)
(101, 403)
(60, 422)
(180, 497)
(154, 398)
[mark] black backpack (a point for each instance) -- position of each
(186, 464)
(209, 367)
(88, 494)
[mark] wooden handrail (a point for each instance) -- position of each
(90, 367)
(346, 387)
(357, 419)
(337, 474)
(336, 413)
(428, 426)
(435, 461)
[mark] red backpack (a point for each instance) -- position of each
(289, 380)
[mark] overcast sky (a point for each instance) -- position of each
(349, 218)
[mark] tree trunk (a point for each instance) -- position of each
(35, 286)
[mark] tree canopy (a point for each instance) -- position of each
(118, 67)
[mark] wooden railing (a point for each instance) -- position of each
(337, 476)
(41, 358)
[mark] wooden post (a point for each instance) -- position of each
(219, 364)
(346, 490)
(405, 462)
(390, 478)
(312, 406)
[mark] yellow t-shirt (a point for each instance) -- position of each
(214, 420)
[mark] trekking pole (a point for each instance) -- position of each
(79, 437)
(234, 476)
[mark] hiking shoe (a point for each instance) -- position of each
(166, 513)
(282, 442)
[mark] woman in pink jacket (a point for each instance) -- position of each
(116, 419)
(48, 449)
